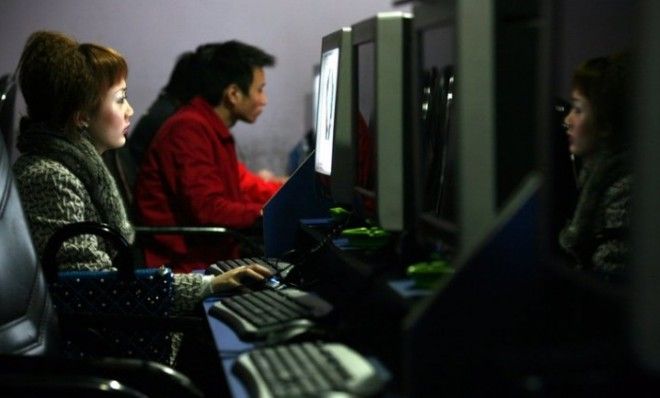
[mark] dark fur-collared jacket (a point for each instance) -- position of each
(596, 237)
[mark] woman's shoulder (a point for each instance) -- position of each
(623, 182)
(616, 203)
(31, 168)
(620, 189)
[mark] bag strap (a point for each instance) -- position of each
(123, 261)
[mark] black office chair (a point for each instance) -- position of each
(31, 360)
(122, 166)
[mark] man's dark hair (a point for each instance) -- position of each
(184, 80)
(231, 62)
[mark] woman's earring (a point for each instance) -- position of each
(82, 129)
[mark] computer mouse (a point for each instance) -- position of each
(271, 282)
(213, 269)
(295, 331)
(339, 214)
(358, 231)
(429, 273)
(366, 237)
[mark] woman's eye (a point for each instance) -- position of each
(122, 97)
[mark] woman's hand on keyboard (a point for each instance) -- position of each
(243, 276)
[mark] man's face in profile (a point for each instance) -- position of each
(251, 104)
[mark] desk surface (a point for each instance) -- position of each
(381, 306)
(229, 347)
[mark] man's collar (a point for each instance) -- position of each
(209, 112)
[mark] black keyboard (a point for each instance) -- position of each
(274, 265)
(307, 369)
(259, 314)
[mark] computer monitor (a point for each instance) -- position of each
(381, 64)
(480, 308)
(334, 157)
(435, 136)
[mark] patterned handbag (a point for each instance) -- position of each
(122, 297)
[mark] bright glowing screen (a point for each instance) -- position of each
(325, 115)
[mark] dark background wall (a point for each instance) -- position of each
(591, 28)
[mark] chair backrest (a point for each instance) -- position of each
(7, 108)
(122, 166)
(28, 323)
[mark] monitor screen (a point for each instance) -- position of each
(516, 104)
(365, 129)
(436, 135)
(439, 134)
(437, 122)
(325, 116)
(315, 96)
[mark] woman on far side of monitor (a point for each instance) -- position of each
(595, 237)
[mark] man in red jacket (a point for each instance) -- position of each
(190, 174)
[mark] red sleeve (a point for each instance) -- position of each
(254, 187)
(203, 189)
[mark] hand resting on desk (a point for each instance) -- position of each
(245, 275)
